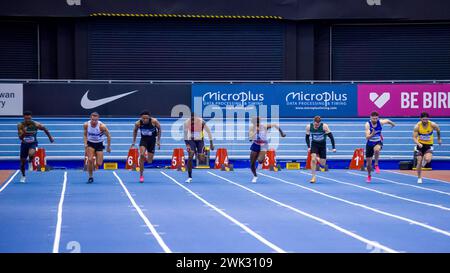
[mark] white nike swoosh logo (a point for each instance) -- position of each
(86, 103)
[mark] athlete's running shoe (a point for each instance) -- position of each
(377, 169)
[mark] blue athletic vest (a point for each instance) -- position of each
(377, 137)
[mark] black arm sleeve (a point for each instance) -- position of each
(330, 135)
(307, 141)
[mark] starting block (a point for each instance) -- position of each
(276, 168)
(205, 164)
(270, 162)
(221, 158)
(357, 162)
(227, 168)
(222, 162)
(326, 168)
(202, 167)
(40, 160)
(293, 165)
(132, 160)
(133, 167)
(178, 160)
(45, 168)
(308, 161)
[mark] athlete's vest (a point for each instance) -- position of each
(147, 130)
(94, 134)
(261, 136)
(426, 134)
(377, 137)
(317, 135)
(30, 132)
(195, 134)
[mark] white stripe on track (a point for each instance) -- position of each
(59, 220)
(325, 222)
(403, 184)
(9, 181)
(410, 221)
(388, 194)
(146, 220)
(232, 219)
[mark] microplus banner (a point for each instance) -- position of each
(294, 100)
(403, 100)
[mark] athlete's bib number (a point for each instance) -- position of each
(425, 137)
(146, 132)
(318, 137)
(29, 139)
(197, 135)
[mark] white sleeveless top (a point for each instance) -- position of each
(94, 134)
(261, 136)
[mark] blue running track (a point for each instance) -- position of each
(223, 212)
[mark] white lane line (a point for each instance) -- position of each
(59, 220)
(241, 225)
(410, 221)
(323, 221)
(434, 179)
(146, 220)
(9, 181)
(403, 184)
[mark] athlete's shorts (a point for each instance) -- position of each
(426, 148)
(258, 148)
(197, 146)
(25, 147)
(370, 148)
(319, 149)
(98, 147)
(149, 144)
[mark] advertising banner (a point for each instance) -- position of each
(404, 100)
(11, 99)
(75, 99)
(294, 100)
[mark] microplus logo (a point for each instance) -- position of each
(373, 2)
(324, 98)
(242, 98)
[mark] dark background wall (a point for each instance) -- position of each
(222, 49)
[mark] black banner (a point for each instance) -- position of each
(76, 99)
(286, 9)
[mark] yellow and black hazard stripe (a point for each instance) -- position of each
(201, 16)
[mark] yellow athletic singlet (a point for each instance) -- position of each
(426, 134)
